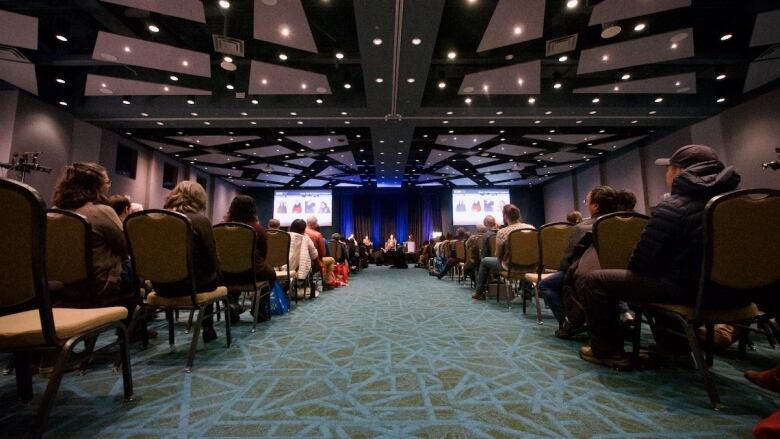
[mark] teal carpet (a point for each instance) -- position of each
(395, 354)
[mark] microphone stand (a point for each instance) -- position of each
(24, 164)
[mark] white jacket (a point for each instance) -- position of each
(302, 252)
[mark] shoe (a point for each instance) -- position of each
(766, 379)
(619, 360)
(209, 334)
(439, 276)
(567, 331)
(478, 296)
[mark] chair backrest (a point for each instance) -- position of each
(460, 250)
(445, 249)
(278, 248)
(492, 244)
(335, 249)
(523, 248)
(68, 247)
(615, 235)
(479, 241)
(742, 239)
(160, 244)
(553, 240)
(23, 284)
(236, 244)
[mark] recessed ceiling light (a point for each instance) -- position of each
(319, 101)
(721, 100)
(416, 41)
(229, 86)
(339, 55)
(596, 100)
(193, 114)
(557, 85)
(442, 84)
(60, 80)
(224, 4)
(451, 55)
(61, 37)
(639, 27)
(673, 46)
(499, 113)
(652, 112)
(445, 121)
(548, 112)
(625, 77)
(659, 100)
(127, 49)
(285, 31)
(517, 30)
(571, 4)
(63, 103)
(467, 100)
(244, 113)
(174, 78)
(347, 85)
(720, 77)
(410, 80)
(531, 100)
(344, 113)
(616, 88)
(292, 113)
(537, 121)
(726, 37)
(126, 101)
(159, 123)
(563, 58)
(605, 57)
(283, 57)
(153, 28)
(677, 84)
(206, 123)
(145, 114)
(377, 41)
(579, 121)
(185, 63)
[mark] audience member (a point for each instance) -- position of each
(626, 200)
(491, 228)
(574, 217)
(136, 207)
(666, 263)
(121, 205)
(242, 209)
(513, 221)
(82, 188)
(273, 224)
(303, 253)
(189, 198)
(474, 252)
(312, 231)
(452, 260)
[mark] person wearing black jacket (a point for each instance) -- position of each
(666, 263)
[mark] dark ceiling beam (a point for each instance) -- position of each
(104, 17)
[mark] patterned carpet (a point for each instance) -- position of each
(395, 354)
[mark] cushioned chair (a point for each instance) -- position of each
(615, 235)
(161, 250)
(460, 256)
(523, 248)
(236, 247)
(279, 258)
(741, 253)
(28, 323)
(553, 240)
(492, 244)
(68, 253)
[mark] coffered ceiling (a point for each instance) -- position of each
(318, 93)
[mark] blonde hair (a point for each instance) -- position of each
(187, 196)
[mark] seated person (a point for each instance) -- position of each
(82, 188)
(273, 224)
(666, 264)
(474, 252)
(513, 221)
(452, 260)
(574, 217)
(189, 198)
(303, 253)
(121, 205)
(490, 224)
(242, 210)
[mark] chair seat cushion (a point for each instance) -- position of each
(247, 287)
(515, 274)
(533, 277)
(184, 301)
(24, 328)
(714, 315)
(283, 274)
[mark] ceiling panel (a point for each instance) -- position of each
(465, 181)
(20, 74)
(164, 147)
(283, 23)
(615, 10)
(271, 79)
(670, 84)
(214, 140)
(320, 142)
(513, 22)
(449, 170)
(563, 157)
(766, 30)
(345, 158)
(18, 30)
(266, 151)
(274, 178)
(518, 79)
(617, 144)
(304, 161)
(504, 176)
(513, 150)
(98, 85)
(436, 156)
(136, 52)
(479, 160)
(569, 139)
(465, 140)
(648, 50)
(219, 159)
(314, 182)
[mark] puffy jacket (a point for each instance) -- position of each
(672, 244)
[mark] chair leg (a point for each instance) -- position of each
(195, 336)
(636, 336)
(538, 304)
(124, 354)
(169, 317)
(255, 310)
(227, 321)
(51, 388)
(89, 347)
(767, 328)
(23, 368)
(698, 358)
(710, 329)
(189, 321)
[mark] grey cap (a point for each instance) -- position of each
(689, 155)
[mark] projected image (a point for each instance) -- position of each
(292, 205)
(470, 206)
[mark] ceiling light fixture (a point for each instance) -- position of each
(377, 41)
(283, 57)
(379, 80)
(153, 28)
(517, 30)
(224, 4)
(174, 78)
(339, 55)
(467, 100)
(659, 100)
(127, 49)
(451, 55)
(185, 63)
(61, 37)
(563, 58)
(285, 31)
(126, 100)
(347, 85)
(60, 80)
(410, 80)
(255, 101)
(673, 46)
(416, 41)
(720, 100)
(596, 100)
(571, 4)
(625, 77)
(720, 77)
(190, 101)
(605, 57)
(531, 100)
(319, 101)
(640, 27)
(557, 85)
(63, 103)
(442, 84)
(726, 37)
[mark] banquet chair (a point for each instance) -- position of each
(460, 255)
(28, 322)
(236, 247)
(523, 248)
(161, 249)
(279, 258)
(553, 240)
(741, 256)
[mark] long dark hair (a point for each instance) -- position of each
(298, 226)
(242, 209)
(79, 184)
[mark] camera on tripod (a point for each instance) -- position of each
(774, 164)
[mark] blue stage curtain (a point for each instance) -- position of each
(427, 212)
(346, 214)
(376, 222)
(401, 206)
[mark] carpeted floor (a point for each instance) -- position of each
(395, 354)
